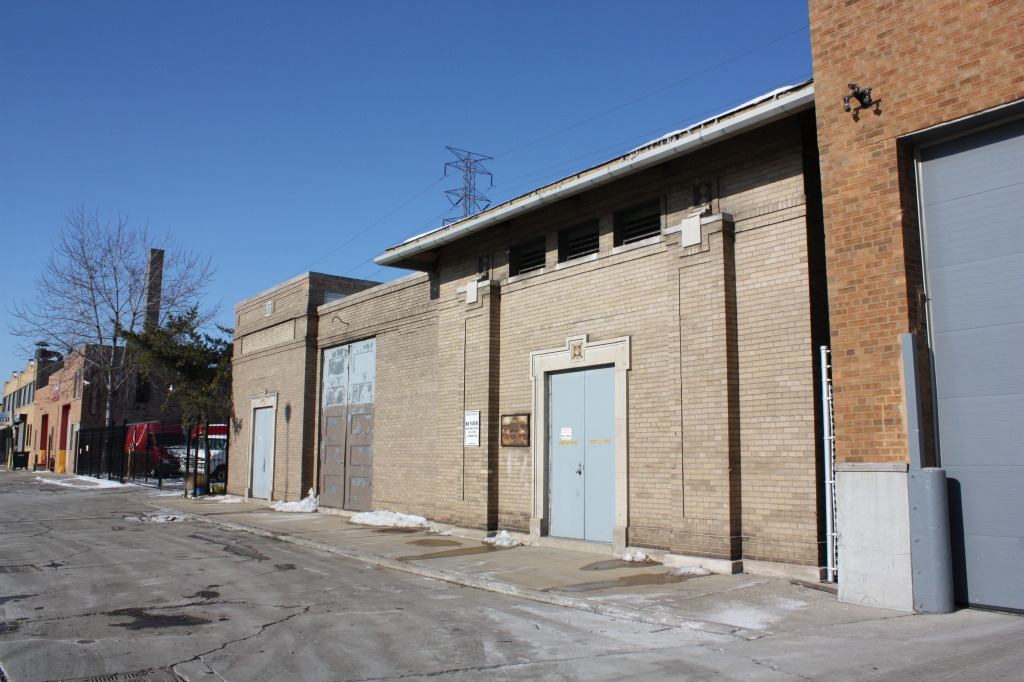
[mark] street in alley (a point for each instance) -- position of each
(102, 581)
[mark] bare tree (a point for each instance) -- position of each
(94, 283)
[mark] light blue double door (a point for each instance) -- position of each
(581, 453)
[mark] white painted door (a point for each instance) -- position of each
(262, 451)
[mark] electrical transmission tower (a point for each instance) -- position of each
(467, 196)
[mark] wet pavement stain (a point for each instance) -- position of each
(16, 597)
(638, 580)
(399, 530)
(142, 619)
(207, 594)
(285, 567)
(464, 551)
(242, 550)
(8, 627)
(434, 542)
(616, 563)
(232, 547)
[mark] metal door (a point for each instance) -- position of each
(581, 453)
(973, 204)
(262, 451)
(346, 427)
(333, 426)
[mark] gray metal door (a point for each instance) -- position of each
(262, 451)
(972, 192)
(581, 453)
(346, 426)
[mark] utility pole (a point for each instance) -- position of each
(467, 196)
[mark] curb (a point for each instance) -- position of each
(496, 586)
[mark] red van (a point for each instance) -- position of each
(152, 448)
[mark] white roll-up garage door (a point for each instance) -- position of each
(972, 193)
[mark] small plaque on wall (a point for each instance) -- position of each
(471, 429)
(515, 430)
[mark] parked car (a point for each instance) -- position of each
(151, 448)
(218, 444)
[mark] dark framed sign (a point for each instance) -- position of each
(515, 430)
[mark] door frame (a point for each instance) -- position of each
(264, 399)
(579, 353)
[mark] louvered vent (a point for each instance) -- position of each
(528, 257)
(638, 223)
(580, 242)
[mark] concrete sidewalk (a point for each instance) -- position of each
(745, 606)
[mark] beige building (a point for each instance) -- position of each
(625, 358)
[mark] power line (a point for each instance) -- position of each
(651, 94)
(558, 132)
(643, 136)
(411, 234)
(360, 234)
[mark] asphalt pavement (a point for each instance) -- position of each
(127, 582)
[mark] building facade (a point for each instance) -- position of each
(623, 359)
(924, 221)
(274, 370)
(19, 396)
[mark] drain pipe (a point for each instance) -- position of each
(829, 461)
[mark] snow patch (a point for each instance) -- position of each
(444, 532)
(689, 570)
(756, 617)
(306, 505)
(389, 519)
(81, 482)
(503, 539)
(757, 100)
(636, 557)
(232, 500)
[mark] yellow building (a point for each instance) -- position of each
(19, 394)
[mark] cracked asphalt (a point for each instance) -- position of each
(95, 584)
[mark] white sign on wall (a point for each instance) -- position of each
(471, 428)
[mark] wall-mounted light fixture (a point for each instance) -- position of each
(862, 95)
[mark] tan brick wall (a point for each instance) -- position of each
(722, 445)
(285, 365)
(403, 319)
(928, 63)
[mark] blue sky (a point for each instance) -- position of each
(267, 134)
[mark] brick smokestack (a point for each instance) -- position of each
(154, 287)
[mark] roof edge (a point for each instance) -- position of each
(799, 98)
(309, 274)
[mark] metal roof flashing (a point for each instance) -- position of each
(728, 124)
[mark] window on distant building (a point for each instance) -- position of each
(76, 386)
(638, 222)
(578, 242)
(527, 257)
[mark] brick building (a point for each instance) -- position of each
(924, 234)
(625, 358)
(66, 394)
(275, 368)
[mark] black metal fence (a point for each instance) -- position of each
(156, 452)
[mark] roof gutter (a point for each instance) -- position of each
(742, 122)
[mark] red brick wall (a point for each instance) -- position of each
(928, 63)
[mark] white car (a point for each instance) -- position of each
(196, 462)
